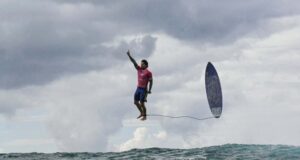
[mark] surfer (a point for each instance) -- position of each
(144, 76)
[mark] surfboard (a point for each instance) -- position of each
(213, 90)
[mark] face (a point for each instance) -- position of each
(143, 65)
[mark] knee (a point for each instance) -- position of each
(136, 102)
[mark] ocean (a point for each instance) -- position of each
(228, 152)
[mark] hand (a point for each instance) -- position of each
(128, 52)
(149, 92)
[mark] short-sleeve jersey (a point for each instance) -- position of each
(144, 75)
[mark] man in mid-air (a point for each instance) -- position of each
(144, 76)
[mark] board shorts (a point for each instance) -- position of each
(140, 94)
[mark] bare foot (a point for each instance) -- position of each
(144, 118)
(139, 116)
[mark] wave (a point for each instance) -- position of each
(228, 151)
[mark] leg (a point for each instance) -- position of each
(138, 105)
(136, 101)
(144, 113)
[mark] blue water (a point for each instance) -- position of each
(228, 151)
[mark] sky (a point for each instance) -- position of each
(67, 85)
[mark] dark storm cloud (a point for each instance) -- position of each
(203, 20)
(44, 40)
(38, 46)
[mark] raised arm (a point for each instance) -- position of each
(132, 60)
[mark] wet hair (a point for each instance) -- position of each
(145, 62)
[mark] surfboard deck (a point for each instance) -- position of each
(213, 90)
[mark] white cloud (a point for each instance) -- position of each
(144, 137)
(82, 111)
(137, 141)
(162, 135)
(86, 109)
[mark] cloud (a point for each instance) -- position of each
(205, 21)
(41, 48)
(82, 111)
(13, 100)
(69, 59)
(86, 109)
(145, 138)
(137, 140)
(260, 86)
(65, 37)
(250, 100)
